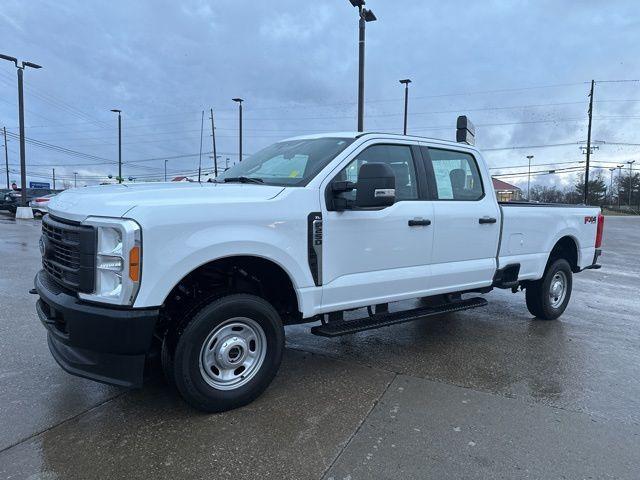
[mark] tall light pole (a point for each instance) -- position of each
(619, 181)
(23, 169)
(406, 83)
(239, 101)
(213, 139)
(365, 16)
(6, 154)
(631, 162)
(611, 170)
(529, 157)
(119, 112)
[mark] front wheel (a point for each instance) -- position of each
(548, 297)
(227, 354)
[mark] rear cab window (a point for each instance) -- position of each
(454, 175)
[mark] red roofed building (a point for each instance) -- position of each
(505, 192)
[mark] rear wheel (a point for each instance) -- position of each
(227, 353)
(548, 297)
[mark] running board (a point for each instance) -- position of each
(378, 320)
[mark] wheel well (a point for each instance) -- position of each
(239, 274)
(565, 248)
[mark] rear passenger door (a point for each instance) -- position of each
(466, 225)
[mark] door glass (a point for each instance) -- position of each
(398, 157)
(456, 175)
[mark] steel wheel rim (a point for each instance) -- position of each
(233, 353)
(558, 289)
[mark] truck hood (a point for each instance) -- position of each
(116, 200)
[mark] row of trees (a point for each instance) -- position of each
(601, 192)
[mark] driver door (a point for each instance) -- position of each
(381, 255)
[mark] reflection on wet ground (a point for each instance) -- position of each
(494, 373)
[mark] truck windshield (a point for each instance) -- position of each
(288, 163)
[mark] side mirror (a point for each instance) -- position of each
(376, 186)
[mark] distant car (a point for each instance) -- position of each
(11, 200)
(40, 204)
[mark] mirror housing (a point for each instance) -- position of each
(376, 186)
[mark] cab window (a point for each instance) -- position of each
(398, 157)
(456, 175)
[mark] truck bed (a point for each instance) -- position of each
(529, 231)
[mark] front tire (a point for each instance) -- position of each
(227, 354)
(548, 297)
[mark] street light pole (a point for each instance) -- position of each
(631, 162)
(239, 101)
(529, 157)
(6, 154)
(365, 16)
(119, 112)
(213, 139)
(406, 82)
(23, 168)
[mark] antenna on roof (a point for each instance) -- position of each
(465, 131)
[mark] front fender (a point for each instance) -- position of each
(165, 262)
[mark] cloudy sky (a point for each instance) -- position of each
(520, 70)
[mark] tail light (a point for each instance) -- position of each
(41, 199)
(599, 230)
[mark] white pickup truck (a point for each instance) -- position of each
(208, 274)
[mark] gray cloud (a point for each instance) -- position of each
(295, 64)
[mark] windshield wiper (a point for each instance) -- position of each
(243, 180)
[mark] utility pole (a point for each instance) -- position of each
(75, 179)
(239, 101)
(619, 181)
(23, 169)
(406, 82)
(54, 178)
(586, 168)
(631, 162)
(611, 170)
(200, 161)
(6, 154)
(529, 157)
(365, 16)
(213, 139)
(165, 170)
(119, 112)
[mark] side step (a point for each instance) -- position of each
(377, 320)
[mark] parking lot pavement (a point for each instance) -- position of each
(487, 393)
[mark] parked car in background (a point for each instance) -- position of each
(40, 204)
(11, 200)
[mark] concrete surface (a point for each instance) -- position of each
(488, 393)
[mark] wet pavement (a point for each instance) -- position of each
(487, 393)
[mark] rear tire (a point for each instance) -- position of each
(548, 297)
(226, 354)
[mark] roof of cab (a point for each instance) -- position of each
(379, 135)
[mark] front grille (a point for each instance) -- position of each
(68, 253)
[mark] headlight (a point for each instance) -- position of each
(118, 261)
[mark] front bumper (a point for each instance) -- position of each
(106, 344)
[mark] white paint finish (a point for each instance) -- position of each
(176, 240)
(24, 213)
(540, 228)
(369, 257)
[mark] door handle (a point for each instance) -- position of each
(416, 222)
(487, 220)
